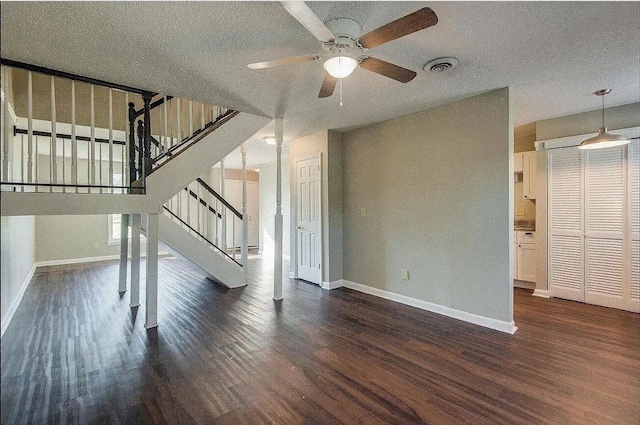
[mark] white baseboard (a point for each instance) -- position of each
(88, 259)
(487, 322)
(292, 275)
(524, 284)
(542, 293)
(333, 285)
(16, 303)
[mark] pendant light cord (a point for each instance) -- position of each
(341, 92)
(603, 110)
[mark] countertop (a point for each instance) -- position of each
(525, 225)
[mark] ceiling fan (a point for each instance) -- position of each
(342, 38)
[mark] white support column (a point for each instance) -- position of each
(135, 260)
(245, 219)
(8, 133)
(277, 264)
(151, 303)
(124, 247)
(223, 210)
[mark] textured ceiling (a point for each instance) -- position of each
(554, 55)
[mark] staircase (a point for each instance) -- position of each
(149, 162)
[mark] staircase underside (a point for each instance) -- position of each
(200, 254)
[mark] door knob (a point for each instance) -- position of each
(298, 227)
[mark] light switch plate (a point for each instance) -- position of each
(404, 273)
(520, 211)
(363, 212)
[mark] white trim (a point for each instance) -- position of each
(487, 322)
(333, 285)
(292, 275)
(542, 293)
(16, 303)
(286, 257)
(88, 259)
(563, 142)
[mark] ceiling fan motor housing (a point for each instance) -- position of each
(346, 32)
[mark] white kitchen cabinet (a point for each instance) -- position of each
(529, 176)
(525, 256)
(517, 162)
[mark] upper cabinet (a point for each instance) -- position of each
(529, 174)
(517, 162)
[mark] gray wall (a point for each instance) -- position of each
(18, 258)
(437, 188)
(68, 237)
(329, 145)
(268, 208)
(624, 116)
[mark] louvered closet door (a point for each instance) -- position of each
(604, 227)
(633, 162)
(565, 251)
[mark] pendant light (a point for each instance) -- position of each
(603, 139)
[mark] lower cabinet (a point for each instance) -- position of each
(525, 256)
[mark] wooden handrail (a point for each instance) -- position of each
(202, 236)
(155, 104)
(219, 198)
(70, 76)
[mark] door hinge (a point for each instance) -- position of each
(318, 265)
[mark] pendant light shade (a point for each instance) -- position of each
(603, 139)
(340, 66)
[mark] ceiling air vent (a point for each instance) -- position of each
(441, 64)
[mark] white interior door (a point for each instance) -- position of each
(566, 241)
(308, 228)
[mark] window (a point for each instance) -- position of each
(114, 220)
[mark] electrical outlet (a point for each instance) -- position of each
(95, 245)
(363, 212)
(520, 211)
(404, 273)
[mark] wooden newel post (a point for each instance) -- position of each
(146, 165)
(132, 143)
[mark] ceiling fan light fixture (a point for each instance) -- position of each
(270, 140)
(340, 66)
(603, 139)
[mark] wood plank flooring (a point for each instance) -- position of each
(75, 353)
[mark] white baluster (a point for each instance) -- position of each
(64, 165)
(110, 140)
(224, 216)
(22, 170)
(198, 227)
(7, 136)
(29, 127)
(165, 127)
(37, 171)
(74, 142)
(125, 149)
(202, 115)
(190, 118)
(92, 150)
(179, 124)
(53, 175)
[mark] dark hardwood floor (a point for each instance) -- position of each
(75, 353)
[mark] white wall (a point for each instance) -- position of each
(268, 209)
(17, 266)
(437, 191)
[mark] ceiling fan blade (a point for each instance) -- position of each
(286, 61)
(328, 85)
(416, 21)
(387, 69)
(308, 19)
